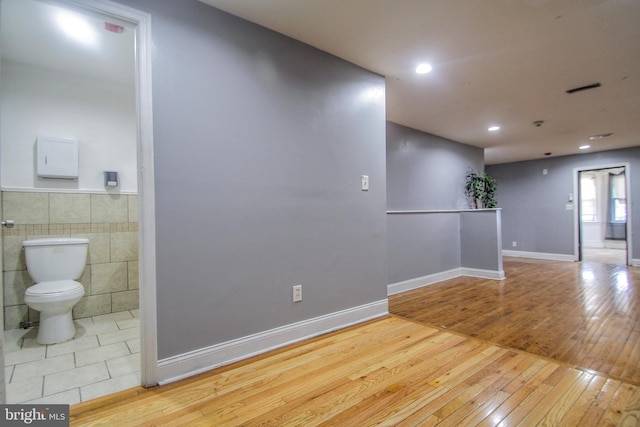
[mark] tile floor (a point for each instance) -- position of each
(607, 256)
(103, 358)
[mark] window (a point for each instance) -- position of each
(588, 198)
(618, 200)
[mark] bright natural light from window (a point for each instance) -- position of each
(618, 198)
(423, 68)
(76, 27)
(621, 281)
(587, 275)
(588, 198)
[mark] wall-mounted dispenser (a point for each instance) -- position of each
(57, 157)
(110, 179)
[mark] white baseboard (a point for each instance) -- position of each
(194, 362)
(539, 255)
(419, 282)
(635, 262)
(484, 274)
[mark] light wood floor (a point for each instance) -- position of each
(395, 371)
(583, 314)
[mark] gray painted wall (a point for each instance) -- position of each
(260, 142)
(533, 204)
(427, 172)
(421, 244)
(480, 242)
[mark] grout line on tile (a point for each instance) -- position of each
(13, 369)
(126, 339)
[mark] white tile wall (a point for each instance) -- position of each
(109, 221)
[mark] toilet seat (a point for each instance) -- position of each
(53, 288)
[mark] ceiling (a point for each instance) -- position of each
(30, 34)
(495, 62)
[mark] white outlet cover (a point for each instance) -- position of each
(297, 293)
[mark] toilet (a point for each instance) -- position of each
(54, 264)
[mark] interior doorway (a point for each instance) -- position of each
(602, 215)
(24, 59)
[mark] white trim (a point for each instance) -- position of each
(442, 211)
(635, 262)
(576, 210)
(483, 274)
(146, 186)
(194, 362)
(431, 279)
(419, 282)
(539, 255)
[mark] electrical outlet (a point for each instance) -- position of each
(514, 243)
(297, 293)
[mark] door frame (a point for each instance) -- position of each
(577, 248)
(146, 182)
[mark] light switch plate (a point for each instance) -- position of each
(364, 180)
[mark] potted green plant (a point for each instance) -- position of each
(480, 189)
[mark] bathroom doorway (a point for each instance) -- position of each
(79, 69)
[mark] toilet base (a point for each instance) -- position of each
(55, 328)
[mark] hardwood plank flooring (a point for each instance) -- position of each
(582, 314)
(556, 344)
(388, 372)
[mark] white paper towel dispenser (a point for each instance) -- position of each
(57, 157)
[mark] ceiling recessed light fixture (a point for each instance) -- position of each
(602, 135)
(493, 128)
(423, 68)
(584, 147)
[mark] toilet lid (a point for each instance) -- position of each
(53, 287)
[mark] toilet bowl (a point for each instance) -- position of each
(53, 264)
(54, 300)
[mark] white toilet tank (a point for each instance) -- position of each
(55, 258)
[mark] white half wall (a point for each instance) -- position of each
(100, 114)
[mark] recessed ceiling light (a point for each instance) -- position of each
(423, 68)
(584, 147)
(493, 128)
(602, 135)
